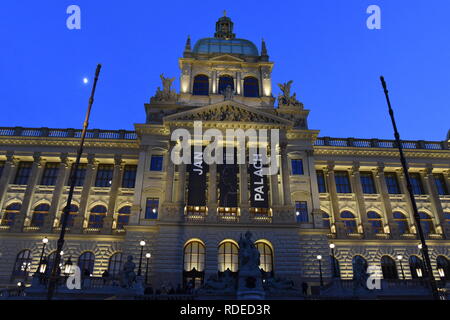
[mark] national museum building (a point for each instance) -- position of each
(340, 199)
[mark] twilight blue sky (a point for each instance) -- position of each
(323, 45)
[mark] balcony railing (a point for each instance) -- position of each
(67, 133)
(378, 143)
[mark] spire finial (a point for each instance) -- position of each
(224, 13)
(264, 54)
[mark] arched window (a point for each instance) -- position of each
(224, 82)
(123, 217)
(23, 263)
(376, 221)
(115, 264)
(388, 268)
(326, 220)
(426, 222)
(401, 221)
(251, 87)
(86, 263)
(201, 85)
(72, 215)
(416, 266)
(39, 214)
(10, 213)
(228, 256)
(265, 256)
(443, 267)
(194, 256)
(51, 261)
(359, 265)
(96, 217)
(349, 221)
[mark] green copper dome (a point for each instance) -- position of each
(231, 46)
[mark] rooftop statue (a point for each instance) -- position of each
(166, 94)
(285, 98)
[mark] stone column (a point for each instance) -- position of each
(275, 192)
(239, 87)
(404, 189)
(435, 201)
(24, 218)
(89, 179)
(359, 196)
(140, 173)
(380, 182)
(169, 167)
(329, 174)
(212, 191)
(285, 175)
(113, 193)
(316, 212)
(243, 192)
(213, 87)
(55, 212)
(9, 171)
(181, 187)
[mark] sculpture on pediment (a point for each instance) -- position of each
(228, 93)
(167, 94)
(285, 98)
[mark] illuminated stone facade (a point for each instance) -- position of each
(130, 190)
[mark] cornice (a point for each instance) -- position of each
(352, 151)
(67, 142)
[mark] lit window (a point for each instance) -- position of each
(228, 256)
(156, 163)
(194, 256)
(265, 256)
(23, 263)
(151, 208)
(297, 166)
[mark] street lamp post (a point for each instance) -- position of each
(44, 243)
(333, 260)
(319, 257)
(400, 258)
(147, 256)
(142, 244)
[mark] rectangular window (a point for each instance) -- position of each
(368, 185)
(50, 174)
(79, 176)
(392, 183)
(321, 181)
(301, 211)
(297, 166)
(441, 187)
(416, 183)
(2, 166)
(342, 182)
(151, 208)
(156, 163)
(23, 173)
(104, 175)
(129, 176)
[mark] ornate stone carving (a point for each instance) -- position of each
(285, 98)
(167, 94)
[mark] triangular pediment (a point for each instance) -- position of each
(228, 112)
(226, 57)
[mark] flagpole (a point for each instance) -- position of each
(52, 283)
(425, 252)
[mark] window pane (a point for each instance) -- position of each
(129, 176)
(441, 186)
(104, 175)
(50, 174)
(368, 185)
(297, 166)
(251, 87)
(416, 183)
(392, 183)
(79, 177)
(23, 173)
(224, 82)
(301, 211)
(321, 181)
(201, 85)
(342, 182)
(156, 163)
(151, 208)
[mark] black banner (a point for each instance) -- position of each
(259, 190)
(197, 179)
(228, 183)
